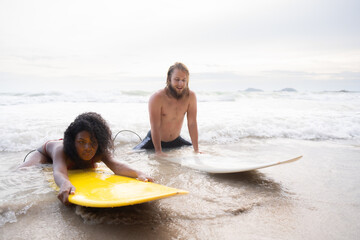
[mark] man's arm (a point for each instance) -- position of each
(155, 121)
(192, 122)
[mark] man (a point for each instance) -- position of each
(167, 109)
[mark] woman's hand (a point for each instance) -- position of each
(142, 177)
(65, 190)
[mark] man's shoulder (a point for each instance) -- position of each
(159, 92)
(158, 96)
(192, 95)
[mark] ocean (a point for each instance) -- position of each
(317, 197)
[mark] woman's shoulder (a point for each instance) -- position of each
(53, 146)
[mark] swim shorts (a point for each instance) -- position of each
(148, 144)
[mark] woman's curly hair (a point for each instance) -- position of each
(99, 131)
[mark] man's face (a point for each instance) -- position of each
(179, 82)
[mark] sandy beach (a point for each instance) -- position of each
(317, 197)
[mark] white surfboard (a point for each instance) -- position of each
(218, 165)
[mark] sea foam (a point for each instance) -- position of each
(29, 119)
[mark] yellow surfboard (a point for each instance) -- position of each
(101, 188)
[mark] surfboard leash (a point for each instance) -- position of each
(125, 130)
(28, 154)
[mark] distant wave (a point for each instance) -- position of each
(76, 96)
(223, 117)
(138, 96)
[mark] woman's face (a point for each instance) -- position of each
(85, 147)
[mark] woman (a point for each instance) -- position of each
(87, 141)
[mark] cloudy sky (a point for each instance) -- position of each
(309, 45)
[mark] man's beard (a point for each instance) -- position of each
(172, 92)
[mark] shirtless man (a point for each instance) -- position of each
(167, 109)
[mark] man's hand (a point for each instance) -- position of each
(161, 154)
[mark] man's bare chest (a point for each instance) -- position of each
(174, 110)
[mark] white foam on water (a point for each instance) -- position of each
(29, 119)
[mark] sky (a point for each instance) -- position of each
(309, 45)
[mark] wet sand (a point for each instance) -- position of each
(317, 197)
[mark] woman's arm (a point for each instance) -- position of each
(56, 151)
(124, 170)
